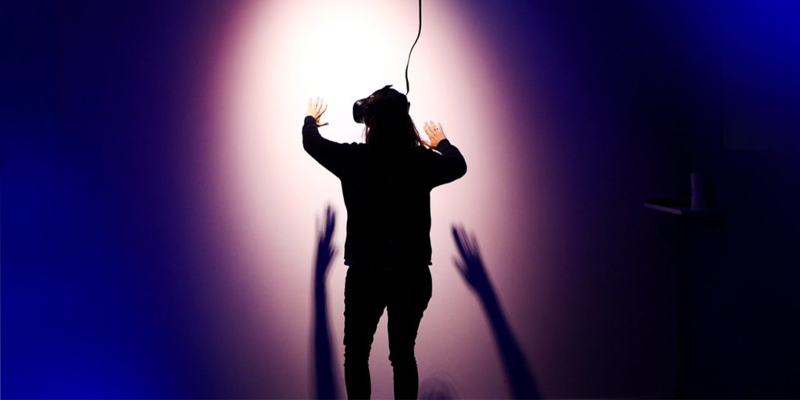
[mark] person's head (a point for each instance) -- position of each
(388, 124)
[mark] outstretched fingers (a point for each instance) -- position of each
(330, 220)
(460, 237)
(317, 107)
(430, 128)
(467, 244)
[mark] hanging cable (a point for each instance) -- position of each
(419, 32)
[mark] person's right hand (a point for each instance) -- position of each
(435, 133)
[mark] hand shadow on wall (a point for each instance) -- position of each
(520, 378)
(324, 382)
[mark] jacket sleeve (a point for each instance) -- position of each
(331, 155)
(447, 166)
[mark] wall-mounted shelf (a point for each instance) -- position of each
(678, 207)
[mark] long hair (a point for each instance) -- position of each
(388, 124)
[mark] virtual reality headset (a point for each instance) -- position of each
(388, 100)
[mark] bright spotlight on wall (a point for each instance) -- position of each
(287, 51)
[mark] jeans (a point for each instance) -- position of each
(404, 291)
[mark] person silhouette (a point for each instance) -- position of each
(386, 184)
(522, 382)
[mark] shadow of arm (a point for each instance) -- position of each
(521, 380)
(325, 384)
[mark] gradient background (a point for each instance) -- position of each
(158, 211)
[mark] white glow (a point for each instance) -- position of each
(288, 51)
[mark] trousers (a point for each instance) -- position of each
(404, 291)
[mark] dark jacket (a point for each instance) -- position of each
(387, 194)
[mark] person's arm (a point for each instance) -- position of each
(447, 166)
(331, 155)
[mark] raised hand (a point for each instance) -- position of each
(325, 250)
(435, 134)
(316, 107)
(470, 265)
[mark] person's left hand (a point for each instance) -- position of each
(315, 109)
